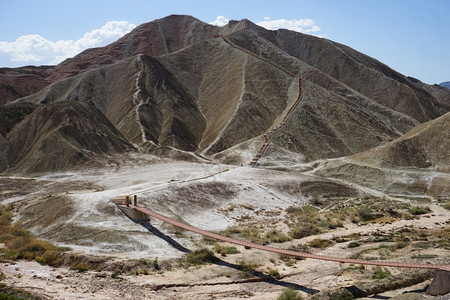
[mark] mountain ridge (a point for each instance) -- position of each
(211, 91)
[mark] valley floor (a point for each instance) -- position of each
(73, 209)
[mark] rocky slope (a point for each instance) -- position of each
(417, 162)
(194, 91)
(59, 135)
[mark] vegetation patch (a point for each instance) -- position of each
(224, 250)
(320, 243)
(248, 269)
(9, 293)
(20, 244)
(419, 210)
(274, 236)
(380, 273)
(289, 294)
(274, 273)
(199, 257)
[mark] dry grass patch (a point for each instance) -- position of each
(20, 244)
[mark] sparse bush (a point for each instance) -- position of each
(20, 244)
(365, 213)
(289, 294)
(275, 236)
(315, 200)
(247, 268)
(224, 250)
(380, 273)
(80, 267)
(419, 210)
(353, 245)
(199, 257)
(319, 243)
(304, 231)
(446, 205)
(156, 264)
(274, 273)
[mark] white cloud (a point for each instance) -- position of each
(220, 21)
(300, 25)
(35, 49)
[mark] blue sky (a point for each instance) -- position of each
(411, 36)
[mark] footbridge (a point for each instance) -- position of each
(138, 213)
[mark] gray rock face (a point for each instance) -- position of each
(440, 284)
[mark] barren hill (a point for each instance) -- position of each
(177, 85)
(417, 162)
(59, 135)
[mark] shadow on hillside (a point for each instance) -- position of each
(146, 224)
(259, 276)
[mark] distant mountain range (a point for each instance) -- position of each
(445, 84)
(182, 88)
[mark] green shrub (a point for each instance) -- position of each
(315, 200)
(304, 231)
(275, 236)
(224, 250)
(366, 214)
(319, 243)
(289, 294)
(293, 210)
(199, 257)
(446, 205)
(402, 244)
(80, 267)
(419, 210)
(156, 264)
(247, 268)
(380, 273)
(353, 245)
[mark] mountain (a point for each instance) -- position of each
(178, 86)
(445, 84)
